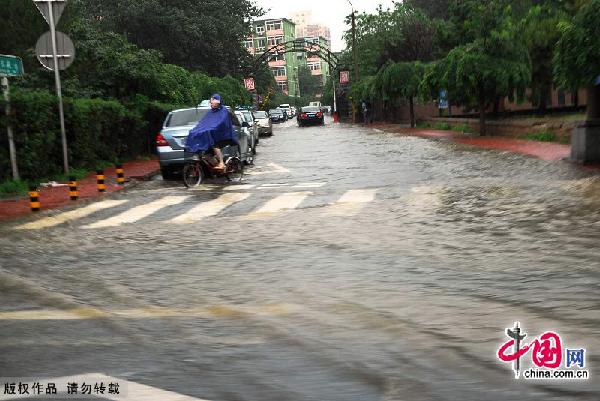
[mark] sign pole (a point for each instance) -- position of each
(9, 130)
(61, 113)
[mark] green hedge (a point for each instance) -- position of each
(98, 131)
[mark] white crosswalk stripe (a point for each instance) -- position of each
(358, 196)
(286, 201)
(52, 221)
(352, 202)
(138, 212)
(210, 208)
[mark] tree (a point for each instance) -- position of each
(433, 8)
(205, 36)
(310, 85)
(577, 57)
(402, 80)
(540, 32)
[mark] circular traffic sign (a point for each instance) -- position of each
(65, 51)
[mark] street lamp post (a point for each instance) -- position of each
(354, 55)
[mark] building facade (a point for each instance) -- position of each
(316, 65)
(266, 35)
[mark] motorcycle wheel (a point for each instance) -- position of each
(192, 175)
(235, 169)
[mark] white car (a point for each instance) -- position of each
(263, 120)
(287, 109)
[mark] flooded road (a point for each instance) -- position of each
(351, 265)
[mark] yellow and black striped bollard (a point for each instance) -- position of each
(34, 198)
(100, 180)
(73, 193)
(120, 174)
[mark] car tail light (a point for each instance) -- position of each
(319, 114)
(303, 115)
(161, 141)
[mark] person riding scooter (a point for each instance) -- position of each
(213, 132)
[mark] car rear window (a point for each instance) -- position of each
(260, 114)
(185, 117)
(310, 109)
(276, 112)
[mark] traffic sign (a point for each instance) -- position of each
(65, 51)
(11, 66)
(344, 77)
(58, 6)
(249, 84)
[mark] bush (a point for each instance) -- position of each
(542, 136)
(461, 128)
(98, 132)
(13, 187)
(443, 126)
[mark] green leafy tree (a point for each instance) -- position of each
(310, 85)
(540, 32)
(577, 57)
(402, 80)
(205, 36)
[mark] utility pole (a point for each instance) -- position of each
(354, 56)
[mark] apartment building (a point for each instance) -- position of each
(266, 35)
(314, 62)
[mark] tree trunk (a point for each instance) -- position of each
(575, 96)
(412, 112)
(544, 91)
(482, 127)
(593, 102)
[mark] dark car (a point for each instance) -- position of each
(277, 115)
(310, 115)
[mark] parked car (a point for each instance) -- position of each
(310, 115)
(248, 129)
(277, 115)
(264, 123)
(250, 117)
(170, 141)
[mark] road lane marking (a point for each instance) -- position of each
(52, 221)
(128, 390)
(150, 312)
(238, 187)
(358, 196)
(137, 213)
(276, 169)
(310, 185)
(210, 208)
(286, 201)
(351, 202)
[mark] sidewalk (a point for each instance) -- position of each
(51, 198)
(549, 151)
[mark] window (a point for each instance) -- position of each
(275, 40)
(248, 44)
(278, 71)
(313, 66)
(261, 44)
(283, 86)
(260, 30)
(277, 57)
(272, 26)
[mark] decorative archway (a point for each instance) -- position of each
(303, 46)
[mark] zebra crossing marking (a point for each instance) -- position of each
(138, 212)
(210, 208)
(238, 187)
(351, 202)
(286, 201)
(310, 185)
(52, 221)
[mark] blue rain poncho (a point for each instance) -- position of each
(214, 127)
